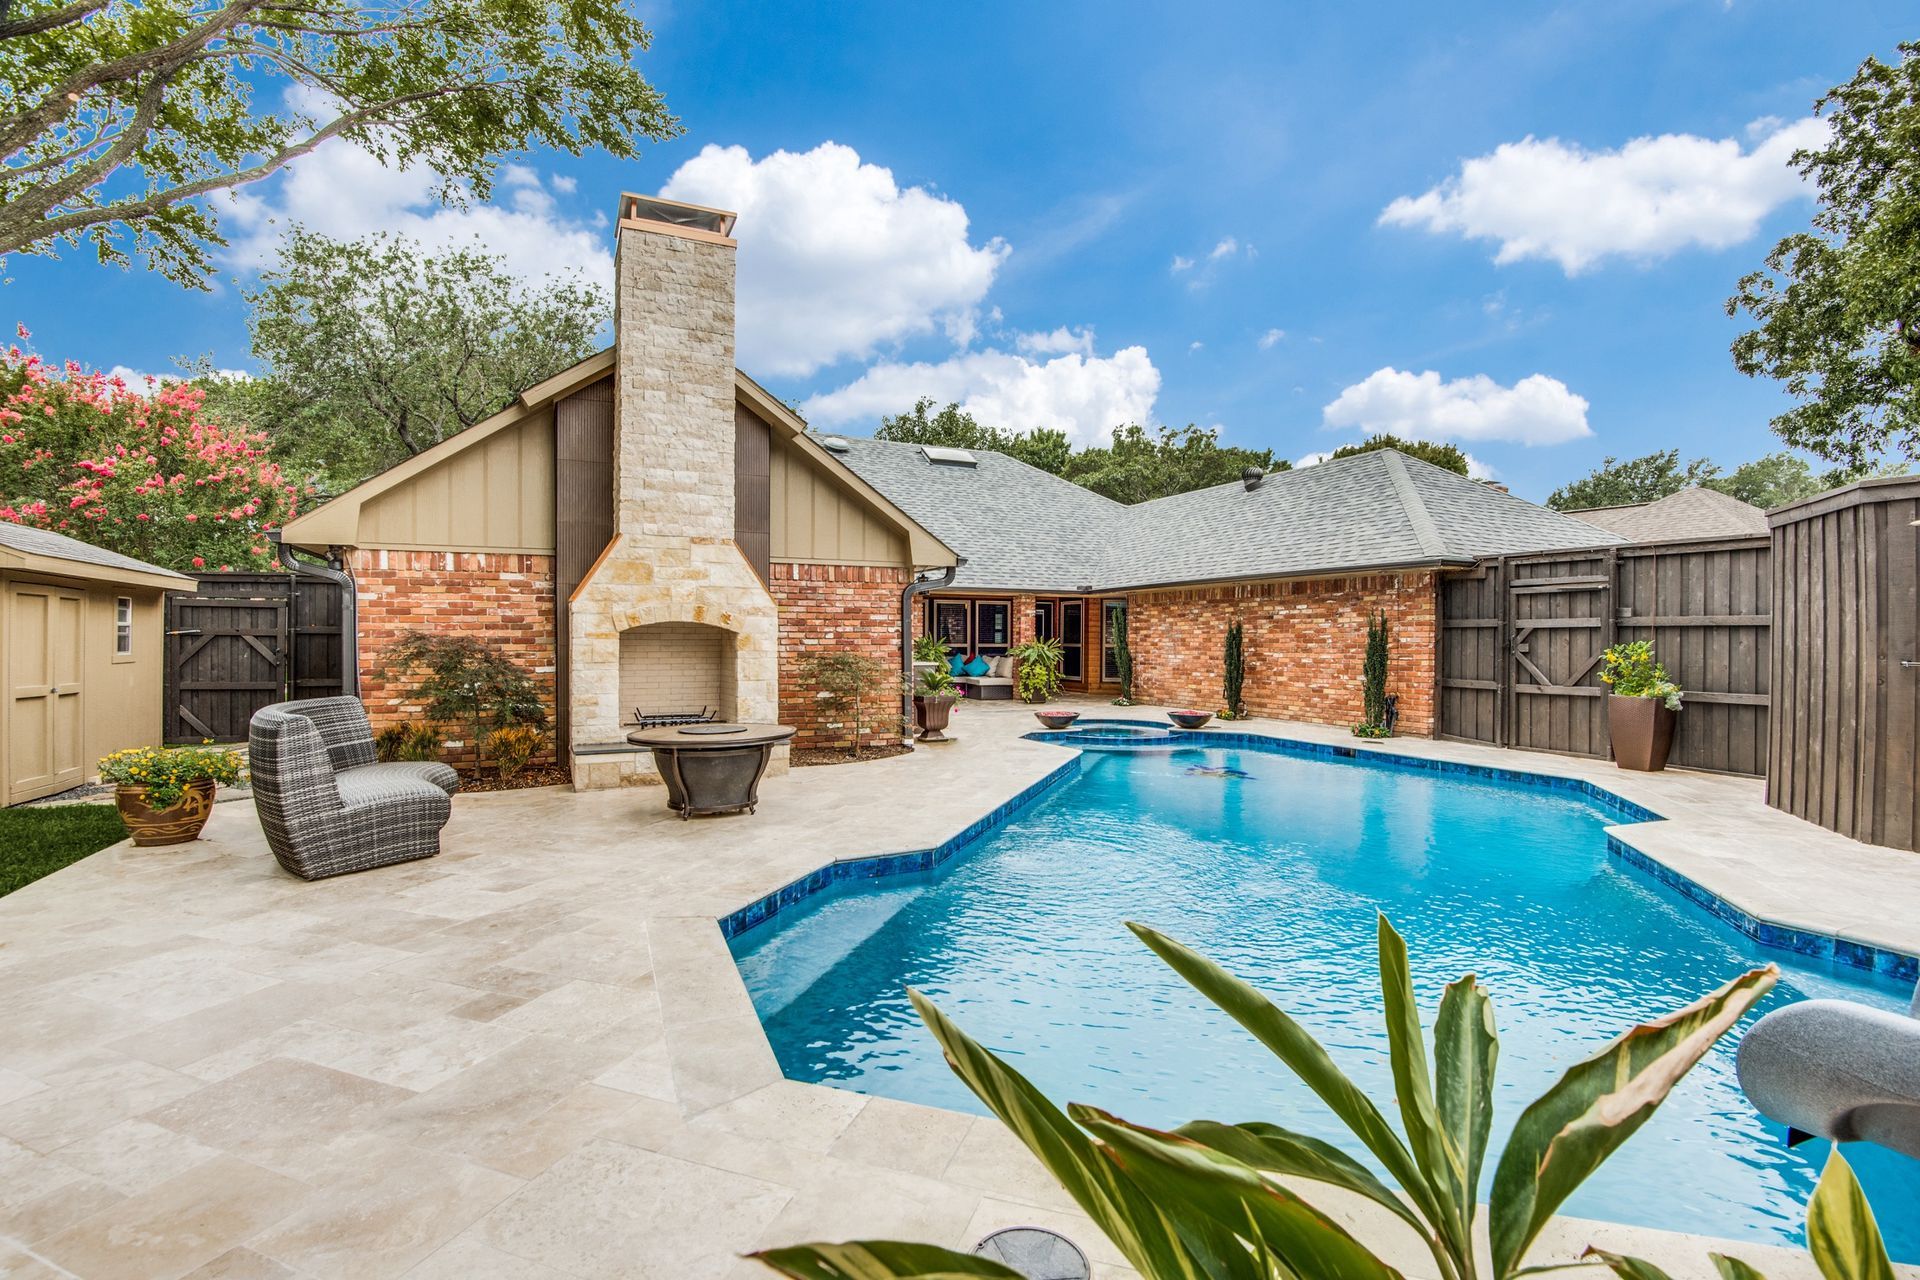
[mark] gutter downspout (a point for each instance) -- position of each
(919, 586)
(349, 616)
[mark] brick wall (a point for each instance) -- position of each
(1304, 644)
(827, 608)
(504, 599)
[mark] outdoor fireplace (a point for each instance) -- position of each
(677, 669)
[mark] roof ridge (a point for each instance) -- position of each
(1425, 531)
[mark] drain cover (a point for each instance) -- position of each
(1036, 1253)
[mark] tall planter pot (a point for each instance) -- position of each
(932, 714)
(1641, 730)
(150, 826)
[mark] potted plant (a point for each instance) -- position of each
(1641, 701)
(934, 694)
(1057, 718)
(1187, 718)
(1037, 675)
(928, 652)
(164, 794)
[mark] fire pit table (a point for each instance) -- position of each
(714, 767)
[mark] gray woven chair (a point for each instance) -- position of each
(327, 806)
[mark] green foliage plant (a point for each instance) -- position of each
(121, 119)
(1122, 658)
(465, 680)
(853, 689)
(1037, 669)
(935, 682)
(931, 648)
(1213, 1201)
(513, 746)
(1373, 680)
(1630, 671)
(411, 740)
(166, 772)
(1234, 673)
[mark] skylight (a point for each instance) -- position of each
(941, 455)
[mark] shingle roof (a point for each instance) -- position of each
(1024, 529)
(1680, 517)
(57, 546)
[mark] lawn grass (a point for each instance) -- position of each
(38, 842)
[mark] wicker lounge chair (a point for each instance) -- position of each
(325, 803)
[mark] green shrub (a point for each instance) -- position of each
(512, 746)
(1122, 658)
(930, 649)
(1233, 673)
(1373, 681)
(465, 680)
(1037, 671)
(413, 740)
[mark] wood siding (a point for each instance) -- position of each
(817, 521)
(1845, 576)
(494, 496)
(1521, 639)
(753, 490)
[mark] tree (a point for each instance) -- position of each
(144, 473)
(955, 428)
(1138, 467)
(1440, 455)
(376, 349)
(466, 679)
(1837, 307)
(860, 693)
(121, 118)
(1615, 483)
(1780, 478)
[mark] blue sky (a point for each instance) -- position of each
(1079, 213)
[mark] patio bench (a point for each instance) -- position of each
(326, 803)
(995, 686)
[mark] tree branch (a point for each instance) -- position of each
(11, 28)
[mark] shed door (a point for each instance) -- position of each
(44, 736)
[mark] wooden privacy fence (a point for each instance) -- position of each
(244, 641)
(1847, 661)
(1521, 638)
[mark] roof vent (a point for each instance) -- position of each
(941, 455)
(1251, 478)
(834, 444)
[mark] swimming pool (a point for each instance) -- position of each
(1274, 863)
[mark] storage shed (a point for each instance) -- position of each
(81, 638)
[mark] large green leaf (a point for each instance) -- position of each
(1303, 1055)
(1841, 1233)
(1286, 1235)
(1598, 1105)
(1130, 1219)
(1442, 1164)
(1465, 1052)
(1272, 1149)
(1734, 1269)
(1627, 1268)
(879, 1260)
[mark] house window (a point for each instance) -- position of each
(1110, 612)
(950, 623)
(990, 622)
(123, 627)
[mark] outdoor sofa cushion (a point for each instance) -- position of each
(957, 665)
(979, 666)
(324, 820)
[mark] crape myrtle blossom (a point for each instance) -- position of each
(135, 470)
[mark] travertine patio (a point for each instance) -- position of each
(533, 1057)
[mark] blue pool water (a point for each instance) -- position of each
(1274, 865)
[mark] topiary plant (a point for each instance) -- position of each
(1122, 658)
(1233, 673)
(1373, 681)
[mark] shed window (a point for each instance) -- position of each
(123, 627)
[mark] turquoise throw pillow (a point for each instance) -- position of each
(957, 665)
(979, 666)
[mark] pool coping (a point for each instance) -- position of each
(1781, 935)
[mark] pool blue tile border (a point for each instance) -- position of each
(848, 871)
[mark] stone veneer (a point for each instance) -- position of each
(504, 599)
(673, 558)
(1305, 641)
(828, 608)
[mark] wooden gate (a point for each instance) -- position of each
(1521, 639)
(244, 641)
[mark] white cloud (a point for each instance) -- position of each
(837, 259)
(1313, 459)
(1225, 251)
(1272, 338)
(1181, 264)
(1419, 406)
(1195, 345)
(1083, 395)
(1227, 247)
(1556, 201)
(1059, 342)
(343, 191)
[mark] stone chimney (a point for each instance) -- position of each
(672, 612)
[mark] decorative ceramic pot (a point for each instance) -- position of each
(1641, 730)
(1056, 719)
(1190, 719)
(151, 826)
(932, 714)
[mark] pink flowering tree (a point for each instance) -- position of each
(138, 470)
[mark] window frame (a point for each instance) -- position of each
(123, 629)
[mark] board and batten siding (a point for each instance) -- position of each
(494, 496)
(818, 521)
(1846, 659)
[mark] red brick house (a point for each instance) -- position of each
(652, 531)
(648, 530)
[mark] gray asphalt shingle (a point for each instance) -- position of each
(1023, 529)
(57, 546)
